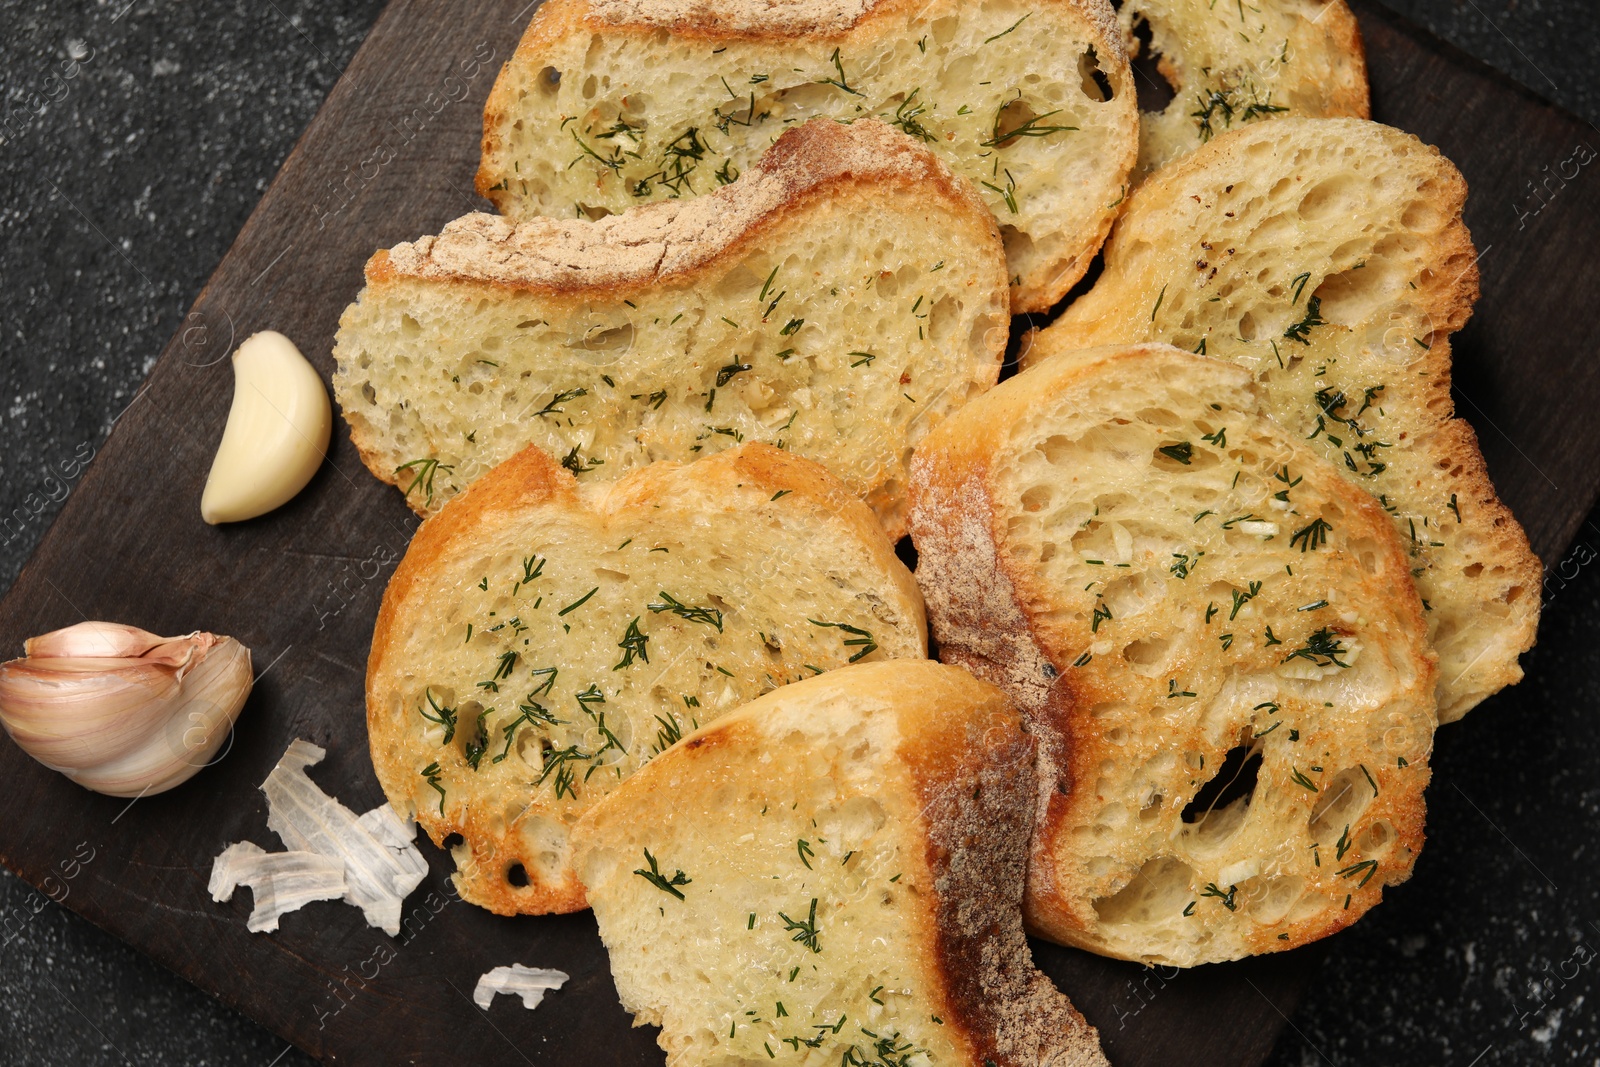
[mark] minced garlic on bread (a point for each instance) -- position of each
(831, 875)
(838, 300)
(612, 103)
(542, 640)
(1214, 637)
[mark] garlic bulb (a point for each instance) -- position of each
(120, 710)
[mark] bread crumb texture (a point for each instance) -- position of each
(832, 875)
(612, 104)
(838, 301)
(1328, 258)
(1234, 692)
(542, 640)
(1231, 64)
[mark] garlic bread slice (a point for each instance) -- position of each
(542, 640)
(830, 875)
(1328, 257)
(838, 300)
(1212, 633)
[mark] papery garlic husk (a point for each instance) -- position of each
(120, 710)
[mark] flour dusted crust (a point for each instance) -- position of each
(1175, 625)
(919, 779)
(655, 242)
(1225, 250)
(649, 75)
(751, 543)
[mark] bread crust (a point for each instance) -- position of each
(1031, 644)
(671, 240)
(1443, 296)
(529, 482)
(829, 21)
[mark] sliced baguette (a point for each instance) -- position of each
(1181, 597)
(660, 602)
(838, 300)
(1241, 248)
(610, 103)
(833, 875)
(1230, 64)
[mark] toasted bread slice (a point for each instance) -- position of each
(833, 875)
(1230, 64)
(1328, 257)
(610, 103)
(838, 300)
(1213, 635)
(541, 640)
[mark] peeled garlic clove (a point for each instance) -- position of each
(129, 725)
(277, 432)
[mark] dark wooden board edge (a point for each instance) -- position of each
(388, 157)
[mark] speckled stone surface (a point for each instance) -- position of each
(134, 140)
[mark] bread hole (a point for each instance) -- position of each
(472, 732)
(1096, 86)
(1151, 811)
(548, 81)
(602, 338)
(1018, 245)
(517, 875)
(1159, 890)
(1058, 451)
(591, 85)
(1154, 90)
(369, 394)
(1247, 326)
(942, 319)
(452, 842)
(1269, 900)
(1377, 840)
(409, 326)
(1149, 656)
(1161, 418)
(1012, 117)
(1339, 804)
(1472, 570)
(1037, 498)
(1218, 809)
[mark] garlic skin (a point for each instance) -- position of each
(277, 432)
(123, 711)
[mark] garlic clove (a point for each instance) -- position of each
(93, 639)
(126, 726)
(277, 432)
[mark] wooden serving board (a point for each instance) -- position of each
(389, 157)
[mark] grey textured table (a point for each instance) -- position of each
(134, 140)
